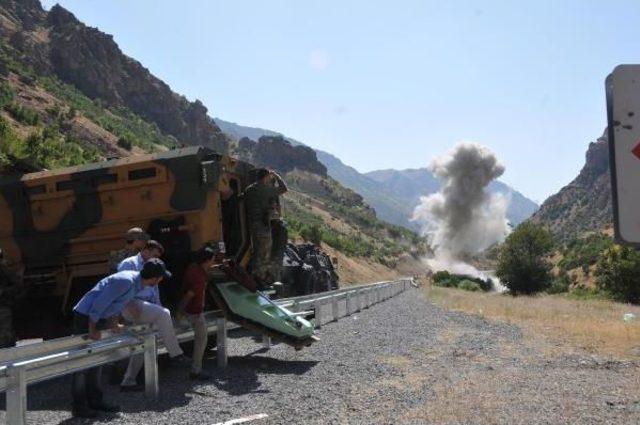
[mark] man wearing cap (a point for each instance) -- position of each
(259, 200)
(135, 240)
(146, 308)
(100, 309)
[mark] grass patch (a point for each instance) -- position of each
(46, 147)
(589, 323)
(120, 121)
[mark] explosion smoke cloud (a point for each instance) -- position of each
(462, 218)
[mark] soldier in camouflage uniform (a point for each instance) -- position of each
(136, 239)
(259, 199)
(279, 239)
(10, 289)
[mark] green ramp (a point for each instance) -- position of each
(256, 311)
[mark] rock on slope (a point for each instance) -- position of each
(56, 43)
(585, 203)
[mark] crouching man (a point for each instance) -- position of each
(146, 308)
(100, 309)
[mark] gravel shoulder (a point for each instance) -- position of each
(402, 361)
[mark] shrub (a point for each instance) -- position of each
(584, 252)
(125, 143)
(50, 149)
(469, 285)
(23, 114)
(54, 111)
(312, 234)
(461, 281)
(559, 285)
(617, 273)
(6, 95)
(522, 265)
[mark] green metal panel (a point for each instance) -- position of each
(260, 309)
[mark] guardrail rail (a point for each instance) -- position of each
(25, 365)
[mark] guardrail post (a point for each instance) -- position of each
(16, 395)
(221, 343)
(266, 341)
(151, 384)
(317, 307)
(334, 309)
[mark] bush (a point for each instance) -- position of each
(23, 114)
(584, 252)
(6, 95)
(522, 265)
(559, 285)
(312, 234)
(468, 285)
(461, 281)
(617, 273)
(125, 143)
(50, 149)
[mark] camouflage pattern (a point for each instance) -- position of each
(68, 224)
(279, 239)
(263, 208)
(261, 266)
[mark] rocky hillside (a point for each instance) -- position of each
(392, 193)
(55, 64)
(583, 205)
(68, 95)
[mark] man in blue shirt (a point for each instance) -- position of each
(146, 308)
(99, 309)
(152, 249)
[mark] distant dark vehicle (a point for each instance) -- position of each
(307, 270)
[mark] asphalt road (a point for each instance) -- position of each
(401, 361)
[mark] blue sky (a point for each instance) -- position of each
(392, 84)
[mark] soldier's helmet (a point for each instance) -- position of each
(136, 234)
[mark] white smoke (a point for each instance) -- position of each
(462, 219)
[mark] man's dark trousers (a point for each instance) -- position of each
(85, 386)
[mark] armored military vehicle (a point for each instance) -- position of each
(59, 227)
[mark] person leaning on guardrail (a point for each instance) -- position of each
(192, 305)
(98, 309)
(146, 308)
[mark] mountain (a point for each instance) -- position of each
(392, 193)
(69, 96)
(409, 185)
(51, 60)
(584, 205)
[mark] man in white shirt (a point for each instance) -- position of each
(146, 308)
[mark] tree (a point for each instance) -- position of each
(617, 272)
(522, 264)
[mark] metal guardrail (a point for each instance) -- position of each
(21, 366)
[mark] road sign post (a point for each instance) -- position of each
(623, 117)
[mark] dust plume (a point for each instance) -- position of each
(462, 219)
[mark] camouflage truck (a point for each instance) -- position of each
(58, 227)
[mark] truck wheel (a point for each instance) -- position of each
(7, 335)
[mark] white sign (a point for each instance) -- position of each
(623, 115)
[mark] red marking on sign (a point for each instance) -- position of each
(636, 151)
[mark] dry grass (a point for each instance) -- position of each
(593, 325)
